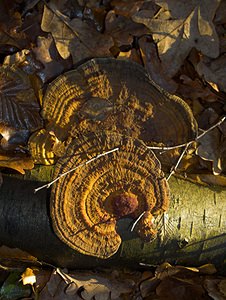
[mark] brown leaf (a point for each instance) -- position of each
(47, 54)
(19, 108)
(195, 90)
(15, 254)
(16, 162)
(173, 288)
(65, 286)
(215, 288)
(147, 287)
(126, 8)
(208, 179)
(187, 25)
(74, 37)
(208, 269)
(154, 66)
(10, 26)
(211, 147)
(213, 70)
(122, 29)
(55, 289)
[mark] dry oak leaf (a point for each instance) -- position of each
(188, 24)
(16, 162)
(74, 37)
(87, 203)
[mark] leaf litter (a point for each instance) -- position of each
(45, 40)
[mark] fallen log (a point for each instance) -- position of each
(193, 231)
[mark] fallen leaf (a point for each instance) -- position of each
(13, 289)
(207, 269)
(87, 285)
(10, 26)
(195, 90)
(122, 29)
(95, 16)
(174, 288)
(213, 70)
(222, 286)
(28, 277)
(209, 179)
(211, 146)
(213, 287)
(126, 8)
(147, 287)
(16, 162)
(46, 53)
(188, 25)
(74, 37)
(7, 253)
(19, 108)
(154, 66)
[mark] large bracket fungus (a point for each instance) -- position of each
(86, 203)
(116, 95)
(103, 104)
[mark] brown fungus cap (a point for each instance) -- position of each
(86, 203)
(41, 145)
(116, 95)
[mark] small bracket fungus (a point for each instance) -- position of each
(86, 203)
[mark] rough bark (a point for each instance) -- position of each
(193, 231)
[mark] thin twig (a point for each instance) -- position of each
(178, 161)
(137, 220)
(185, 144)
(75, 168)
(212, 127)
(189, 143)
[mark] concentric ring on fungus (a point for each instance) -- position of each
(86, 203)
(116, 95)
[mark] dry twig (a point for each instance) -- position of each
(75, 168)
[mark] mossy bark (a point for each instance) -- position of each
(192, 232)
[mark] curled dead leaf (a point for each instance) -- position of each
(16, 162)
(73, 36)
(211, 146)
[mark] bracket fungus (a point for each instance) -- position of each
(86, 203)
(116, 95)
